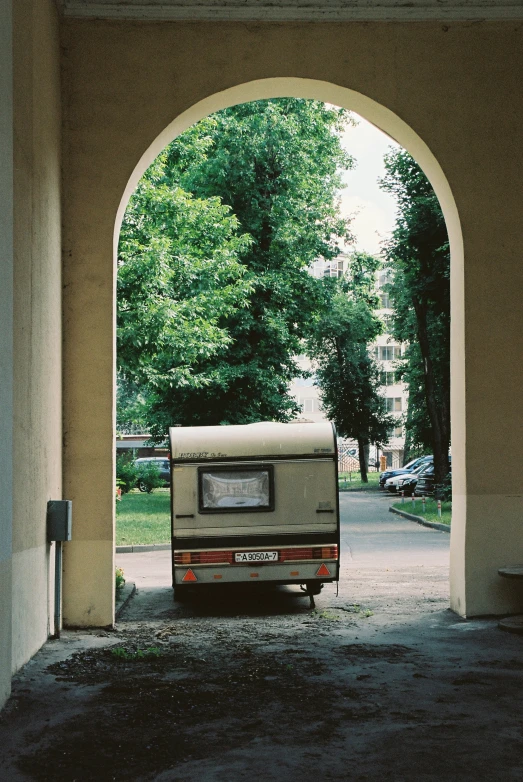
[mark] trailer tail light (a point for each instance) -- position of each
(326, 552)
(297, 554)
(203, 558)
(214, 557)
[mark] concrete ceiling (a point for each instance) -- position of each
(296, 10)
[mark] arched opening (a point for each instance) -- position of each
(404, 135)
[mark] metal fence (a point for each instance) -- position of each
(349, 463)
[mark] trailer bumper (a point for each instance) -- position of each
(288, 573)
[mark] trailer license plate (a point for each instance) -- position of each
(256, 556)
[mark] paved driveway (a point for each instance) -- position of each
(371, 537)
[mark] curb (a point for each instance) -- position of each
(421, 520)
(123, 596)
(140, 548)
(371, 490)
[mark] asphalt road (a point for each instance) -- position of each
(371, 536)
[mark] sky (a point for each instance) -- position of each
(375, 210)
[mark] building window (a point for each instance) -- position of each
(322, 268)
(334, 269)
(396, 431)
(308, 405)
(388, 378)
(393, 404)
(385, 301)
(387, 352)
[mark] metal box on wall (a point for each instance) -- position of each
(59, 520)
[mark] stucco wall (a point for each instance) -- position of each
(456, 86)
(6, 342)
(37, 432)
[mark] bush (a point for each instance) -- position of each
(148, 477)
(443, 491)
(126, 474)
(119, 578)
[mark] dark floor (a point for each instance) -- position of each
(382, 682)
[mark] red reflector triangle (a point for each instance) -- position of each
(323, 570)
(189, 576)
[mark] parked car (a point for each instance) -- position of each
(425, 485)
(412, 465)
(406, 481)
(164, 468)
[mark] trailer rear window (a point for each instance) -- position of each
(236, 489)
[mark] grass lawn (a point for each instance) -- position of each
(431, 512)
(352, 480)
(143, 518)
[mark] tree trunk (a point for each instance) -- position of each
(363, 463)
(438, 411)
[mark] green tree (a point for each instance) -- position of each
(276, 165)
(179, 278)
(347, 375)
(131, 407)
(419, 259)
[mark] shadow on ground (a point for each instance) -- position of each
(241, 684)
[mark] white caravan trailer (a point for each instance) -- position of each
(253, 503)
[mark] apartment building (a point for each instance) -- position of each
(385, 351)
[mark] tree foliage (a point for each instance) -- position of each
(347, 375)
(419, 259)
(214, 297)
(131, 410)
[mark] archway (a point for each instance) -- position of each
(403, 134)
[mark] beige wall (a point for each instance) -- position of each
(37, 433)
(6, 342)
(449, 91)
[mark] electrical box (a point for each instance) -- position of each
(59, 520)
